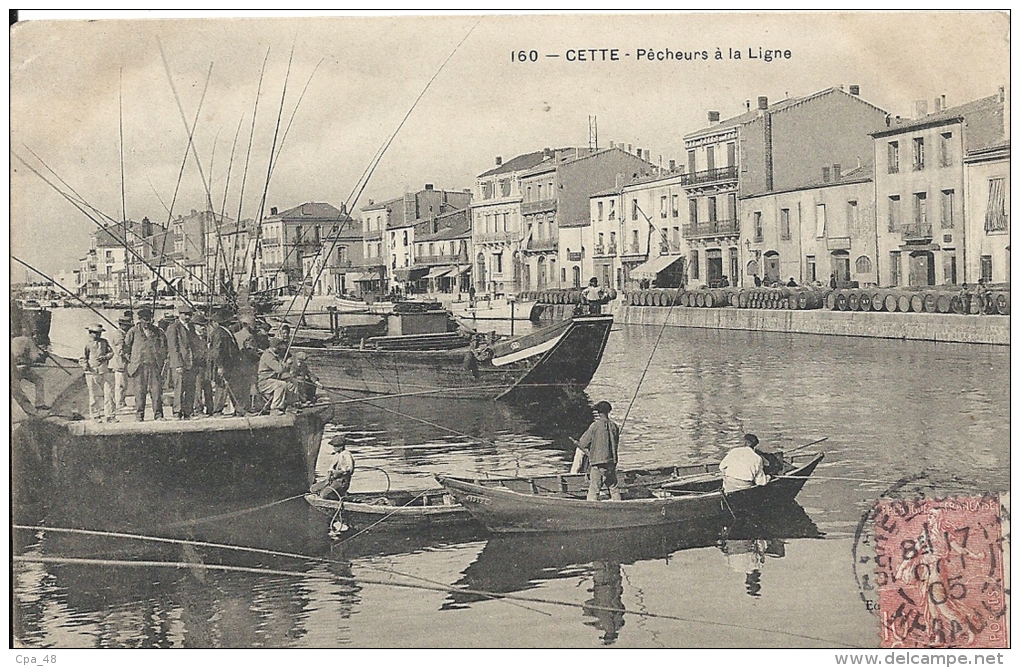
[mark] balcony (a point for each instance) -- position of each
(433, 260)
(710, 176)
(633, 249)
(711, 228)
(540, 206)
(915, 233)
(543, 244)
(669, 248)
(495, 238)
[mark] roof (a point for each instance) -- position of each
(453, 225)
(955, 114)
(648, 178)
(520, 163)
(382, 205)
(320, 210)
(862, 174)
(781, 105)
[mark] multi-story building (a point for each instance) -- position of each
(556, 216)
(919, 191)
(287, 237)
(339, 264)
(389, 233)
(986, 180)
(443, 250)
(229, 255)
(774, 147)
(815, 231)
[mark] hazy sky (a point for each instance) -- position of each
(66, 77)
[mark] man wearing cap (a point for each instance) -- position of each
(203, 380)
(274, 374)
(304, 380)
(341, 470)
(743, 467)
(594, 296)
(601, 444)
(180, 345)
(145, 350)
(96, 362)
(118, 364)
(222, 363)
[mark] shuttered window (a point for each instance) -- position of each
(995, 216)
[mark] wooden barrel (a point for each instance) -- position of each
(649, 298)
(943, 303)
(853, 301)
(903, 303)
(1002, 303)
(930, 300)
(635, 299)
(841, 301)
(830, 301)
(664, 298)
(699, 299)
(864, 301)
(710, 299)
(743, 298)
(956, 304)
(917, 303)
(877, 301)
(891, 302)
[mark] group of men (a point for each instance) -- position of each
(208, 364)
(745, 466)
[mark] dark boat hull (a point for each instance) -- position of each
(542, 360)
(395, 511)
(503, 510)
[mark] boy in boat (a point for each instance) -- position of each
(747, 466)
(341, 470)
(601, 443)
(96, 362)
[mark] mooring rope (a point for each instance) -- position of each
(232, 514)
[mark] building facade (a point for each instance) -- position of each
(287, 237)
(443, 252)
(986, 179)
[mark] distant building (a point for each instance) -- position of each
(287, 237)
(229, 255)
(986, 174)
(338, 265)
(919, 191)
(771, 148)
(443, 251)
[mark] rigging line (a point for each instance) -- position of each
(220, 251)
(231, 515)
(332, 577)
(297, 105)
(96, 311)
(379, 521)
(180, 174)
(244, 177)
(156, 193)
(82, 209)
(123, 193)
(372, 167)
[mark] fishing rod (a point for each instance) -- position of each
(123, 189)
(89, 306)
(220, 251)
(372, 167)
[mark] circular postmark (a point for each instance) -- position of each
(928, 560)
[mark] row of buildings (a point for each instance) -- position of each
(826, 186)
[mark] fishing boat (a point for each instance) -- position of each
(694, 494)
(496, 309)
(419, 355)
(393, 510)
(368, 305)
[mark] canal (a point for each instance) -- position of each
(890, 410)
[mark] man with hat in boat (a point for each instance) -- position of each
(223, 359)
(118, 364)
(601, 444)
(96, 362)
(181, 341)
(145, 350)
(341, 470)
(594, 296)
(274, 375)
(744, 466)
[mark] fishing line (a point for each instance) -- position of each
(436, 588)
(232, 514)
(92, 308)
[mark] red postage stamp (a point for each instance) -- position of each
(940, 573)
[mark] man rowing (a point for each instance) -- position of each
(747, 466)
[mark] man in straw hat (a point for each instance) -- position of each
(601, 444)
(341, 470)
(180, 345)
(145, 349)
(274, 375)
(118, 364)
(96, 362)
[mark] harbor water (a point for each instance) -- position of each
(890, 409)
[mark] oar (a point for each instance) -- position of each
(807, 445)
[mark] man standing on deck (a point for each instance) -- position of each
(118, 364)
(601, 443)
(203, 385)
(24, 355)
(743, 467)
(180, 343)
(145, 349)
(96, 362)
(223, 359)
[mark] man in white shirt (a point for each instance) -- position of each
(742, 467)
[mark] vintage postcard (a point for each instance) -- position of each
(466, 330)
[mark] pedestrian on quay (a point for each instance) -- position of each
(145, 349)
(181, 342)
(98, 377)
(601, 444)
(757, 281)
(981, 295)
(832, 280)
(594, 296)
(966, 297)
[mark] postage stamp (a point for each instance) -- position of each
(940, 574)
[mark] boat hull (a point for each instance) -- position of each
(503, 510)
(495, 310)
(394, 511)
(565, 356)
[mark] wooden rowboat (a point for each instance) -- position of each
(508, 505)
(393, 510)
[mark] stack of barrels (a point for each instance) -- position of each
(570, 296)
(931, 300)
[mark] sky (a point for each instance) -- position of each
(71, 78)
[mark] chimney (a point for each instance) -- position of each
(612, 144)
(747, 104)
(713, 118)
(499, 160)
(944, 102)
(672, 165)
(836, 171)
(855, 89)
(825, 174)
(920, 108)
(371, 202)
(546, 153)
(763, 102)
(630, 148)
(938, 105)
(193, 212)
(272, 211)
(1002, 93)
(639, 153)
(428, 186)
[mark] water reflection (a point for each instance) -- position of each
(518, 562)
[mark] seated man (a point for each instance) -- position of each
(743, 467)
(274, 376)
(304, 380)
(341, 471)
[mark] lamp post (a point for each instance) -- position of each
(511, 299)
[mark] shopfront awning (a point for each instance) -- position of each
(410, 274)
(651, 268)
(361, 276)
(460, 271)
(438, 272)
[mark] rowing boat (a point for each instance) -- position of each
(393, 510)
(694, 494)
